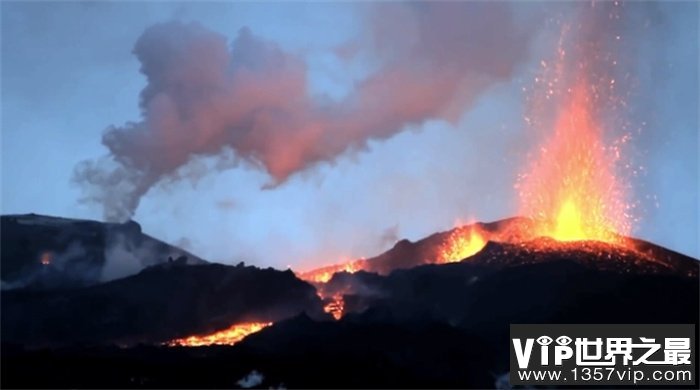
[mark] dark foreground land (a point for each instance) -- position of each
(455, 336)
(429, 326)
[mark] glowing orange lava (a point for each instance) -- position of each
(461, 244)
(229, 336)
(571, 190)
(46, 258)
(336, 307)
(324, 274)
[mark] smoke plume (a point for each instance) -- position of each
(249, 101)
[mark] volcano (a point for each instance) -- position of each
(274, 132)
(405, 318)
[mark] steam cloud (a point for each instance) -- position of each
(124, 258)
(250, 102)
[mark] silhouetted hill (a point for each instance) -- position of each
(50, 252)
(160, 303)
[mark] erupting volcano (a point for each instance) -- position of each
(569, 194)
(261, 147)
(570, 191)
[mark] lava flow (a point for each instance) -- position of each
(324, 274)
(336, 306)
(229, 336)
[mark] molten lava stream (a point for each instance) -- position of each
(324, 274)
(229, 336)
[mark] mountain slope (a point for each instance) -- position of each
(512, 234)
(48, 252)
(160, 303)
(436, 325)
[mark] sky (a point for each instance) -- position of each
(354, 124)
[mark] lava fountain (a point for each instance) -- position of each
(336, 306)
(462, 243)
(571, 189)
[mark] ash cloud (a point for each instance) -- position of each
(249, 99)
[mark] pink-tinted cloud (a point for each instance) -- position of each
(204, 98)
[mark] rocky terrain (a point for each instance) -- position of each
(410, 326)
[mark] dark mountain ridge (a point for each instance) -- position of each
(43, 252)
(158, 304)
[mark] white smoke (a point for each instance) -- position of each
(254, 378)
